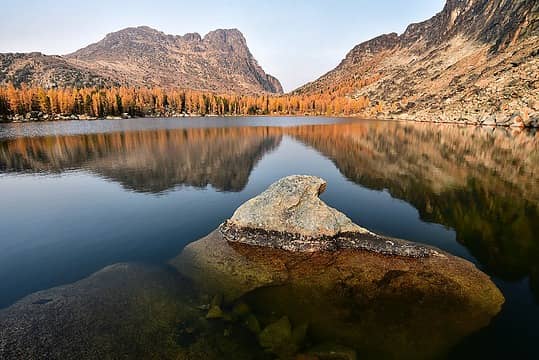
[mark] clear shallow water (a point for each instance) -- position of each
(78, 196)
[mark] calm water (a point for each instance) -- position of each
(78, 196)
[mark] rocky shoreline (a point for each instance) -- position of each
(517, 120)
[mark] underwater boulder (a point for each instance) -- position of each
(287, 253)
(122, 311)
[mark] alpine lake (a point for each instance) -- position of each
(93, 215)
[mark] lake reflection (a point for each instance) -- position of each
(148, 161)
(73, 204)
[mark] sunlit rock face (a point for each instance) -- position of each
(289, 215)
(384, 297)
(473, 62)
(292, 205)
(141, 56)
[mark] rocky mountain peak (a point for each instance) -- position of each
(140, 33)
(142, 56)
(497, 22)
(192, 37)
(137, 30)
(227, 40)
(225, 36)
(376, 45)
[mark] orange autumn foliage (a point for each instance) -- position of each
(136, 101)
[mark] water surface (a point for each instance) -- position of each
(78, 196)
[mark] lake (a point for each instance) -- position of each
(78, 196)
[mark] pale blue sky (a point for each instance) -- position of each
(294, 40)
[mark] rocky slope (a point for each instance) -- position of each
(47, 71)
(475, 61)
(142, 56)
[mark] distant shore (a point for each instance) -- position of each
(514, 122)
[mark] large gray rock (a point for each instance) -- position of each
(124, 311)
(289, 215)
(291, 205)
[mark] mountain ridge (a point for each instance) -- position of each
(142, 56)
(472, 60)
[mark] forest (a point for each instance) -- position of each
(35, 102)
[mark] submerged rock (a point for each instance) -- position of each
(276, 336)
(384, 297)
(125, 311)
(122, 311)
(251, 322)
(215, 312)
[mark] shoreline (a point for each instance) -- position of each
(59, 118)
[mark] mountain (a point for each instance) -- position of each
(473, 60)
(47, 71)
(142, 56)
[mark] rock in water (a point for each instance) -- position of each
(291, 205)
(124, 311)
(289, 215)
(287, 253)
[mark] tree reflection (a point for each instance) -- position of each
(148, 161)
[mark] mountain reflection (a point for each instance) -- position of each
(481, 182)
(148, 161)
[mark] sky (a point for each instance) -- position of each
(295, 40)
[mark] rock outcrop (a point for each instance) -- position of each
(142, 56)
(289, 215)
(359, 289)
(291, 205)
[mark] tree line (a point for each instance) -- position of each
(140, 101)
